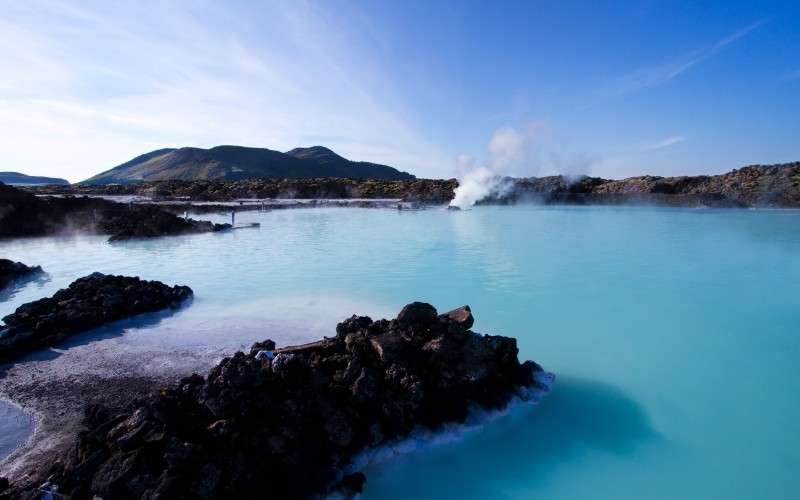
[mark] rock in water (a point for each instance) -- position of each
(87, 303)
(11, 271)
(286, 422)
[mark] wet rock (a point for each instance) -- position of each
(87, 303)
(11, 271)
(287, 427)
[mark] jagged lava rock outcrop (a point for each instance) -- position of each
(284, 423)
(147, 221)
(87, 303)
(23, 214)
(11, 271)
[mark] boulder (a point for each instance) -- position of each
(417, 313)
(460, 318)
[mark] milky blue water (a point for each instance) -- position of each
(675, 334)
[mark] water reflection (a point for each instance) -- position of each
(38, 280)
(522, 449)
(15, 427)
(109, 331)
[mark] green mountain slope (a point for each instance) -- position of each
(232, 163)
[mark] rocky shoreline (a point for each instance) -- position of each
(750, 186)
(429, 191)
(87, 303)
(23, 214)
(11, 271)
(290, 420)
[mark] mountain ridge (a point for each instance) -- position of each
(232, 163)
(19, 178)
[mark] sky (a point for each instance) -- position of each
(604, 88)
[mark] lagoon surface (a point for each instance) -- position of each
(674, 333)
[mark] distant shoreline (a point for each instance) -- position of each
(774, 186)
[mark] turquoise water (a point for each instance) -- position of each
(673, 333)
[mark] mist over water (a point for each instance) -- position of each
(672, 332)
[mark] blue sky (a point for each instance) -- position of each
(525, 88)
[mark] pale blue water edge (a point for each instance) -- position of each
(674, 333)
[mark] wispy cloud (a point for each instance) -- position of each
(85, 88)
(663, 143)
(664, 72)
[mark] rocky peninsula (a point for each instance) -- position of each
(11, 271)
(87, 303)
(24, 214)
(289, 422)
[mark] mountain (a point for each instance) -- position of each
(18, 178)
(232, 163)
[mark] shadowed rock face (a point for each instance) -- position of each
(282, 423)
(23, 214)
(11, 271)
(87, 303)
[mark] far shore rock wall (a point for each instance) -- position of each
(752, 186)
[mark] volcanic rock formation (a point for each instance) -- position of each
(286, 422)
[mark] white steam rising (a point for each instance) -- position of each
(508, 148)
(476, 185)
(521, 152)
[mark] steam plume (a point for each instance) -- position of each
(521, 152)
(508, 148)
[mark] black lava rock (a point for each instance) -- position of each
(285, 422)
(87, 303)
(11, 271)
(23, 214)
